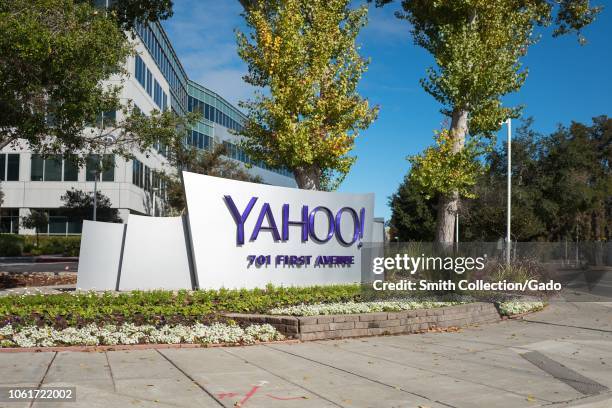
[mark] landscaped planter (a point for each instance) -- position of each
(373, 324)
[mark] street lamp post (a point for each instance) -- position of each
(107, 140)
(509, 192)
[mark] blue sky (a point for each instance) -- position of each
(566, 82)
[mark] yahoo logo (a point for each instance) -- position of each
(306, 223)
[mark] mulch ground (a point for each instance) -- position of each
(9, 280)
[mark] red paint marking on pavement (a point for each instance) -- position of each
(226, 395)
(284, 398)
(249, 395)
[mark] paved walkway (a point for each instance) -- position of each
(559, 357)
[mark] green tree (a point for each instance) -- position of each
(36, 220)
(561, 190)
(78, 206)
(128, 12)
(484, 217)
(577, 182)
(477, 46)
(137, 132)
(212, 162)
(54, 55)
(303, 53)
(413, 215)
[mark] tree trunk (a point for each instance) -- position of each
(308, 178)
(449, 204)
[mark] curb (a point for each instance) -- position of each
(38, 259)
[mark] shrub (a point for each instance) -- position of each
(53, 245)
(11, 245)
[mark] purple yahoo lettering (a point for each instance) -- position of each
(356, 225)
(330, 220)
(266, 212)
(287, 223)
(239, 219)
(361, 222)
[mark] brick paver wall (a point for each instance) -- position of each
(373, 324)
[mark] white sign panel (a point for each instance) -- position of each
(155, 254)
(246, 235)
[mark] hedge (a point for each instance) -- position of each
(11, 245)
(18, 245)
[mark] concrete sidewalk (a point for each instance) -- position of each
(559, 357)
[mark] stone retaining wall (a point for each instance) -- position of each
(373, 324)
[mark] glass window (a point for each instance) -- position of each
(140, 71)
(2, 166)
(53, 168)
(75, 227)
(149, 82)
(92, 163)
(147, 180)
(9, 220)
(106, 119)
(57, 225)
(135, 172)
(71, 170)
(108, 166)
(37, 168)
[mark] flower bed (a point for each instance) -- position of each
(360, 307)
(109, 335)
(158, 308)
(517, 307)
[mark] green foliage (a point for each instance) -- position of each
(11, 245)
(78, 206)
(19, 245)
(128, 12)
(53, 56)
(160, 307)
(561, 189)
(303, 52)
(413, 216)
(477, 46)
(442, 170)
(53, 245)
(37, 220)
(212, 162)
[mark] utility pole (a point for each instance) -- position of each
(509, 191)
(109, 139)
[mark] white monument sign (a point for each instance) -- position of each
(247, 235)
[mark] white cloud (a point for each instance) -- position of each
(202, 33)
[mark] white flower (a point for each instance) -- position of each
(516, 306)
(6, 330)
(360, 307)
(91, 335)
